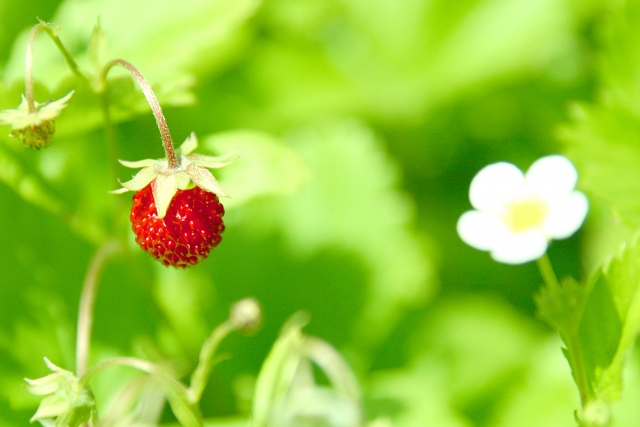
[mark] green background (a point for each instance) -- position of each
(359, 126)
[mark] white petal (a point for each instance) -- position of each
(567, 216)
(520, 248)
(480, 230)
(164, 188)
(552, 178)
(494, 186)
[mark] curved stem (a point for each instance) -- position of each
(87, 304)
(153, 103)
(139, 364)
(206, 362)
(547, 273)
(569, 337)
(29, 61)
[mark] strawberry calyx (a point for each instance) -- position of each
(192, 170)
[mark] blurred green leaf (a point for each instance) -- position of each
(351, 201)
(475, 361)
(622, 280)
(602, 138)
(396, 61)
(174, 41)
(287, 392)
(264, 166)
(603, 143)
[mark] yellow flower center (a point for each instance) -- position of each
(525, 214)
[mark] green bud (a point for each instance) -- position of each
(37, 136)
(35, 128)
(67, 403)
(246, 315)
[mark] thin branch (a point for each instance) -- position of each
(87, 304)
(153, 103)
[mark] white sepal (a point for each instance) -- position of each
(190, 144)
(139, 164)
(164, 187)
(205, 180)
(140, 180)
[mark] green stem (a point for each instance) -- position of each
(569, 337)
(167, 143)
(29, 60)
(87, 304)
(110, 135)
(139, 364)
(206, 363)
(579, 372)
(547, 273)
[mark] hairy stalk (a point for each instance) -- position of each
(42, 26)
(87, 304)
(153, 103)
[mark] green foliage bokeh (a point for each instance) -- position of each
(359, 126)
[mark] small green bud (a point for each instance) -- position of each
(34, 129)
(67, 401)
(246, 315)
(37, 136)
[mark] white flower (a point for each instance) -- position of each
(517, 215)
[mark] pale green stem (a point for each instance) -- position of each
(133, 362)
(87, 304)
(580, 374)
(570, 338)
(110, 136)
(206, 363)
(167, 143)
(547, 273)
(29, 61)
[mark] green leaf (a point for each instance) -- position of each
(604, 143)
(286, 388)
(600, 332)
(178, 39)
(603, 138)
(352, 202)
(562, 308)
(622, 281)
(264, 166)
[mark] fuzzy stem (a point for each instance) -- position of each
(87, 304)
(29, 61)
(206, 362)
(153, 103)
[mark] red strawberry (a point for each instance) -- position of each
(176, 215)
(189, 230)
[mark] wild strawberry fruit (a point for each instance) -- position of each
(176, 215)
(190, 229)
